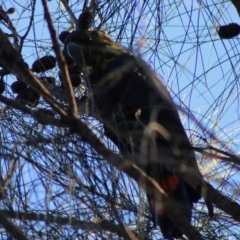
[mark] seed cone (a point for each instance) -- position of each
(43, 64)
(18, 86)
(74, 69)
(62, 36)
(51, 80)
(28, 96)
(2, 87)
(10, 10)
(76, 80)
(85, 19)
(229, 31)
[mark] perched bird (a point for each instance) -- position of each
(140, 118)
(69, 60)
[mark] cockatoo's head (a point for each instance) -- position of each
(92, 49)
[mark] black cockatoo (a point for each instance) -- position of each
(140, 117)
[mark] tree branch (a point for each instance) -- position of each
(106, 225)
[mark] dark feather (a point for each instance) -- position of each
(142, 119)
